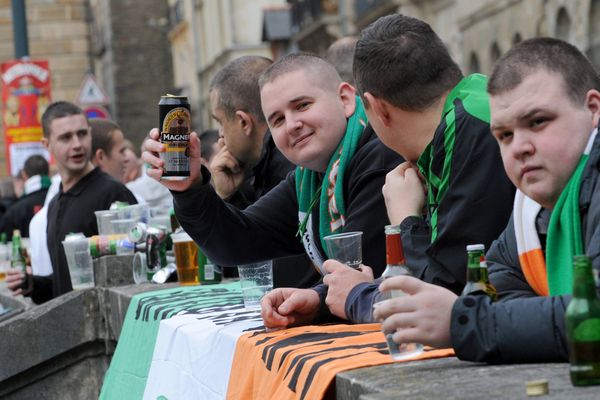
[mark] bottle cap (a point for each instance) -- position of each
(474, 247)
(537, 388)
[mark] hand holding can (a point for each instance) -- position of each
(179, 170)
(175, 124)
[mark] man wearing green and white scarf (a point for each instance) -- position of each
(318, 123)
(545, 110)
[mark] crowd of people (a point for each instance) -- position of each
(406, 140)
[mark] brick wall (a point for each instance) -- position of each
(58, 32)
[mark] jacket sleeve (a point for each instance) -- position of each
(474, 209)
(366, 212)
(359, 304)
(520, 327)
(229, 236)
(516, 330)
(42, 289)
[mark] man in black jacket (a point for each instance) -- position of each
(37, 182)
(545, 104)
(452, 190)
(309, 111)
(247, 164)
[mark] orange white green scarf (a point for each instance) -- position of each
(553, 274)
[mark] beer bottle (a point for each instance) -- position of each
(394, 253)
(4, 256)
(477, 274)
(174, 222)
(208, 272)
(490, 289)
(583, 325)
(17, 261)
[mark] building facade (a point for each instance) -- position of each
(207, 34)
(131, 58)
(123, 43)
(476, 32)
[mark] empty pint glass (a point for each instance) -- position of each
(186, 258)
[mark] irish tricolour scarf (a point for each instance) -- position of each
(329, 191)
(553, 274)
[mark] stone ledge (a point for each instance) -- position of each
(47, 331)
(451, 378)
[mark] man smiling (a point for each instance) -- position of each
(319, 125)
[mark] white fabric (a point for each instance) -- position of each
(32, 184)
(193, 354)
(525, 212)
(155, 194)
(38, 250)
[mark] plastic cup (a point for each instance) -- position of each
(397, 351)
(104, 219)
(346, 248)
(256, 280)
(79, 260)
(122, 226)
(140, 272)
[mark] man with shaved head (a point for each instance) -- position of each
(319, 124)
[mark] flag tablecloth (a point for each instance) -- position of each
(201, 343)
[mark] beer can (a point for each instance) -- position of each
(175, 126)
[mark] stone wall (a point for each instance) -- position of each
(141, 63)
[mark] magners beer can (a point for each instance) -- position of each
(175, 127)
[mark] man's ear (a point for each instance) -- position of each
(592, 101)
(45, 143)
(380, 107)
(246, 122)
(347, 95)
(98, 157)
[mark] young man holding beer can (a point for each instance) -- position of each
(318, 123)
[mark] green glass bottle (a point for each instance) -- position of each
(477, 274)
(583, 325)
(4, 256)
(17, 261)
(208, 272)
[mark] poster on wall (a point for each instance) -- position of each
(25, 96)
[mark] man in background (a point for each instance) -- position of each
(37, 182)
(83, 190)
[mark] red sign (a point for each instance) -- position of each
(96, 112)
(25, 96)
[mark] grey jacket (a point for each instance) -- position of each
(522, 326)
